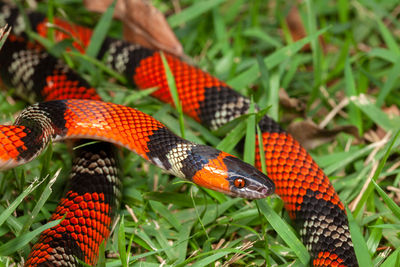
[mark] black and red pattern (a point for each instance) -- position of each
(61, 120)
(308, 195)
(88, 210)
(90, 205)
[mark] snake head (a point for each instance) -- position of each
(227, 174)
(246, 181)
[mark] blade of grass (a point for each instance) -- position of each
(375, 237)
(20, 241)
(220, 252)
(378, 171)
(360, 246)
(174, 92)
(250, 137)
(102, 252)
(250, 75)
(100, 65)
(42, 200)
(262, 151)
(100, 31)
(388, 38)
(183, 240)
(260, 34)
(4, 32)
(181, 200)
(11, 208)
(121, 242)
(273, 95)
(354, 113)
(166, 214)
(50, 19)
(284, 231)
(384, 54)
(393, 259)
(389, 202)
(315, 48)
(265, 99)
(389, 83)
(233, 138)
(194, 11)
(375, 113)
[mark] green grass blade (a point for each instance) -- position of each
(42, 200)
(166, 214)
(360, 246)
(50, 19)
(375, 113)
(273, 95)
(102, 252)
(20, 241)
(121, 242)
(174, 92)
(389, 85)
(284, 231)
(210, 259)
(388, 38)
(183, 240)
(315, 47)
(393, 259)
(378, 171)
(354, 113)
(101, 66)
(100, 31)
(233, 138)
(11, 208)
(264, 37)
(196, 10)
(250, 138)
(375, 237)
(389, 202)
(262, 151)
(4, 32)
(250, 75)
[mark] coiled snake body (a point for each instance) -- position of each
(306, 191)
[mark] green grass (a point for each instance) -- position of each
(247, 45)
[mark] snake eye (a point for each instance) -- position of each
(239, 182)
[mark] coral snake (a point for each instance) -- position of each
(75, 111)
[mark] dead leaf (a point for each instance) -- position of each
(392, 111)
(310, 135)
(286, 101)
(297, 29)
(143, 24)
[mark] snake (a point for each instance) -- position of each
(308, 195)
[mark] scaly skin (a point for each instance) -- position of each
(308, 194)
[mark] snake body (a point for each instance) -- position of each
(60, 120)
(309, 197)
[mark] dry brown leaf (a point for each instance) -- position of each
(143, 24)
(288, 102)
(392, 111)
(310, 135)
(297, 29)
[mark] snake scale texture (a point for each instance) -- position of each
(309, 197)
